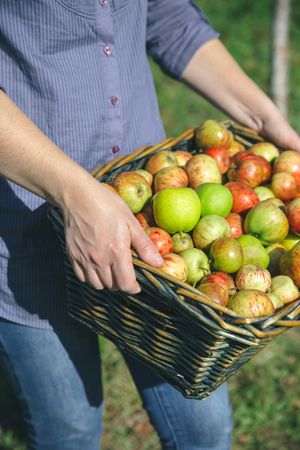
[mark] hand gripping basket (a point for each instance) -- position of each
(192, 342)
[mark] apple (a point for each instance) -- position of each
(182, 241)
(290, 241)
(277, 302)
(251, 303)
(244, 197)
(288, 161)
(175, 266)
(142, 219)
(293, 215)
(208, 229)
(109, 187)
(221, 156)
(161, 239)
(145, 174)
(248, 171)
(170, 177)
(266, 150)
(202, 169)
(235, 222)
(284, 186)
(134, 190)
(275, 201)
(197, 263)
(284, 287)
(211, 133)
(215, 199)
(267, 222)
(235, 147)
(253, 276)
(216, 292)
(182, 157)
(226, 255)
(263, 193)
(275, 251)
(253, 251)
(160, 160)
(290, 264)
(176, 209)
(220, 278)
(259, 160)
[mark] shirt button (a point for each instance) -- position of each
(115, 149)
(107, 50)
(114, 100)
(103, 2)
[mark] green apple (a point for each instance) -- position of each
(208, 229)
(251, 303)
(215, 199)
(197, 263)
(263, 193)
(290, 240)
(253, 251)
(267, 222)
(226, 255)
(176, 209)
(182, 241)
(275, 251)
(277, 302)
(284, 287)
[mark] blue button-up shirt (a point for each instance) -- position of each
(79, 70)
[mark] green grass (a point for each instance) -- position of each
(266, 392)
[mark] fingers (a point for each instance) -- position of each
(144, 246)
(124, 275)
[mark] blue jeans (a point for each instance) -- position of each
(57, 376)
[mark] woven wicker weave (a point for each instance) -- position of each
(192, 342)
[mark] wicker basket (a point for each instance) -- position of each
(193, 343)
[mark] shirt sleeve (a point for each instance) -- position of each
(176, 29)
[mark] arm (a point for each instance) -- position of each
(100, 228)
(213, 73)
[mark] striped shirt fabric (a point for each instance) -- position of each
(79, 69)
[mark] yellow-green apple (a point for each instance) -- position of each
(145, 174)
(263, 193)
(277, 302)
(197, 263)
(290, 241)
(284, 186)
(293, 215)
(176, 209)
(161, 239)
(275, 251)
(290, 264)
(275, 201)
(220, 278)
(160, 160)
(211, 133)
(288, 161)
(182, 157)
(244, 197)
(253, 251)
(253, 276)
(267, 222)
(235, 222)
(226, 255)
(215, 199)
(266, 150)
(182, 241)
(175, 266)
(134, 190)
(170, 177)
(208, 229)
(284, 287)
(251, 303)
(216, 292)
(235, 147)
(202, 169)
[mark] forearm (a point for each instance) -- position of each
(214, 74)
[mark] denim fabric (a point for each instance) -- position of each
(56, 374)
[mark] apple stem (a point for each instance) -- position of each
(181, 234)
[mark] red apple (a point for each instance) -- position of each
(221, 156)
(170, 177)
(235, 222)
(290, 264)
(251, 303)
(284, 186)
(212, 133)
(288, 161)
(175, 266)
(160, 160)
(142, 219)
(216, 292)
(244, 197)
(293, 215)
(161, 239)
(220, 278)
(134, 190)
(182, 157)
(262, 162)
(202, 169)
(247, 171)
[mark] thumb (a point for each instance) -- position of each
(144, 246)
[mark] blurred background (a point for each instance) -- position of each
(266, 393)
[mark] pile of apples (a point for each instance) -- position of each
(226, 219)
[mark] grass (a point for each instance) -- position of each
(266, 392)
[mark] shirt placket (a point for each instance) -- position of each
(111, 76)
